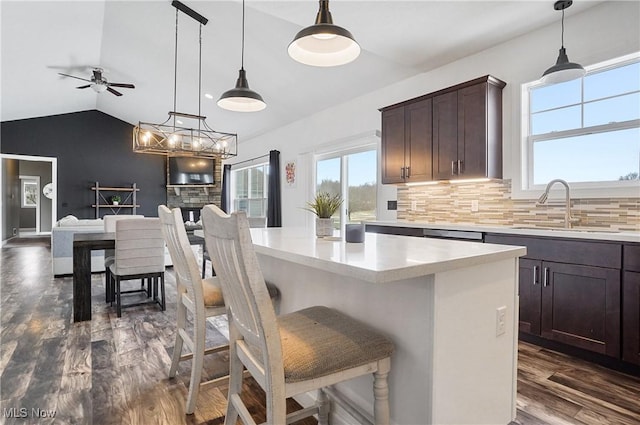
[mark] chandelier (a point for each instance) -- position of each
(174, 137)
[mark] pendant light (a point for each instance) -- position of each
(241, 98)
(324, 44)
(563, 70)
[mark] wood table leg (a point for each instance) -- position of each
(81, 283)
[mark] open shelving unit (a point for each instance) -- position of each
(129, 200)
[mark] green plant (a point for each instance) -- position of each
(324, 205)
(115, 198)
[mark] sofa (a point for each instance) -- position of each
(62, 244)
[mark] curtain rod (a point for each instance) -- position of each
(249, 160)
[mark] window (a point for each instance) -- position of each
(354, 175)
(29, 194)
(249, 190)
(585, 131)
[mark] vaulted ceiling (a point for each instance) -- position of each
(134, 42)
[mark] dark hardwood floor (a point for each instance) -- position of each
(114, 371)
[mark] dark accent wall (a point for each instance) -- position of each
(90, 146)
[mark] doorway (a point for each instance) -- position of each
(26, 180)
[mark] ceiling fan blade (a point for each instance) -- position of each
(84, 87)
(123, 85)
(77, 78)
(110, 90)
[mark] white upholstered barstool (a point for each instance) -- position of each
(109, 221)
(294, 353)
(200, 298)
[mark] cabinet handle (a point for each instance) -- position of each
(408, 171)
(535, 275)
(453, 168)
(402, 172)
(460, 167)
(545, 277)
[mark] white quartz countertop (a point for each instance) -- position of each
(594, 234)
(380, 258)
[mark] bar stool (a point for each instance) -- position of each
(294, 353)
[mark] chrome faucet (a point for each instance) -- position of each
(568, 220)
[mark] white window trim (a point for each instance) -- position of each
(524, 167)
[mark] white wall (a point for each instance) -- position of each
(602, 32)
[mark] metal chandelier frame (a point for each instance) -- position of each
(171, 138)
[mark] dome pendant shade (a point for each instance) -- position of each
(324, 44)
(563, 70)
(241, 98)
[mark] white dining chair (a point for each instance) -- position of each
(109, 222)
(290, 354)
(139, 254)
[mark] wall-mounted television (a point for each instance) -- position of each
(191, 170)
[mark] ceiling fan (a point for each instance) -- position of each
(100, 84)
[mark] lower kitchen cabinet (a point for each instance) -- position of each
(631, 305)
(568, 301)
(631, 318)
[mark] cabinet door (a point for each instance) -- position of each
(529, 294)
(418, 141)
(581, 306)
(445, 136)
(472, 131)
(631, 318)
(393, 145)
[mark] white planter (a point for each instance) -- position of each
(324, 227)
(116, 202)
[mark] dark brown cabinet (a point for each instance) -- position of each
(631, 304)
(406, 151)
(570, 291)
(449, 134)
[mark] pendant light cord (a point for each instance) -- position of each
(242, 57)
(562, 36)
(175, 72)
(199, 76)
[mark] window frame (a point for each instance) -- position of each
(606, 189)
(265, 183)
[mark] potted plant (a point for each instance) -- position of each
(324, 206)
(115, 199)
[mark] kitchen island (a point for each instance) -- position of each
(440, 302)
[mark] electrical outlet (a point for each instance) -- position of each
(474, 205)
(414, 205)
(501, 317)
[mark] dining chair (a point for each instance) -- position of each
(201, 298)
(290, 354)
(139, 254)
(109, 222)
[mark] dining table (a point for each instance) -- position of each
(83, 244)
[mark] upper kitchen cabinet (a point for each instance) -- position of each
(454, 133)
(406, 142)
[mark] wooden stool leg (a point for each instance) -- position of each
(323, 408)
(381, 392)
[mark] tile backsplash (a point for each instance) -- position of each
(453, 202)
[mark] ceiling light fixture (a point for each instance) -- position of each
(171, 138)
(563, 70)
(241, 98)
(324, 44)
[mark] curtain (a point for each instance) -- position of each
(225, 202)
(274, 203)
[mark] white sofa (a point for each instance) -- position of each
(62, 244)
